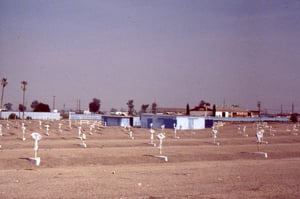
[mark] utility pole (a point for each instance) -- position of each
(53, 108)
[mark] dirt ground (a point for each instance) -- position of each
(113, 165)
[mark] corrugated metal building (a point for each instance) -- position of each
(113, 120)
(182, 122)
(75, 116)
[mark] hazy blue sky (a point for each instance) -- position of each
(173, 52)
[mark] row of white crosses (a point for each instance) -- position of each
(81, 134)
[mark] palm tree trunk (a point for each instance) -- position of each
(23, 104)
(1, 101)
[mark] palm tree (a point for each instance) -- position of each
(23, 87)
(3, 83)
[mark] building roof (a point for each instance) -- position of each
(170, 110)
(230, 109)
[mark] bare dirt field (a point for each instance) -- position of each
(115, 166)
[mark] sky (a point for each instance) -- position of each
(172, 52)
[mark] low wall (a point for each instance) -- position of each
(74, 116)
(251, 119)
(33, 115)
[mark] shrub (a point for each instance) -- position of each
(294, 117)
(13, 116)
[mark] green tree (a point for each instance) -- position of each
(8, 106)
(94, 106)
(34, 104)
(130, 107)
(214, 110)
(144, 108)
(187, 109)
(154, 108)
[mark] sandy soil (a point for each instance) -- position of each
(115, 166)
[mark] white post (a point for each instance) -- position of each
(23, 132)
(175, 131)
(151, 136)
(163, 129)
(214, 133)
(47, 129)
(160, 146)
(83, 144)
(7, 125)
(271, 131)
(79, 132)
(244, 131)
(59, 127)
(35, 148)
(70, 123)
(130, 133)
(1, 130)
(239, 129)
(91, 129)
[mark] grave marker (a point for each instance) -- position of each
(70, 124)
(130, 133)
(152, 135)
(40, 124)
(0, 133)
(23, 131)
(47, 129)
(259, 141)
(37, 137)
(294, 130)
(7, 125)
(244, 131)
(214, 133)
(161, 136)
(83, 139)
(1, 130)
(79, 132)
(271, 131)
(239, 129)
(163, 129)
(91, 129)
(59, 127)
(175, 136)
